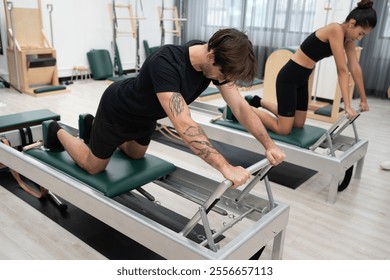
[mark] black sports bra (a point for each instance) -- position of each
(314, 48)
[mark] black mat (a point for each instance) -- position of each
(285, 174)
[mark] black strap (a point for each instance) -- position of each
(22, 138)
(29, 135)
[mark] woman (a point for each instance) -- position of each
(292, 81)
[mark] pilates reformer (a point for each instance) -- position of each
(312, 147)
(109, 197)
(32, 60)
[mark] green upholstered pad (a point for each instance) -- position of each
(300, 137)
(209, 91)
(121, 175)
(48, 89)
(100, 64)
(8, 122)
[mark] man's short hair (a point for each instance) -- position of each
(233, 52)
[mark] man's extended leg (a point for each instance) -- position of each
(79, 151)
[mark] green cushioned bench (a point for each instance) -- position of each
(300, 137)
(121, 175)
(49, 89)
(19, 120)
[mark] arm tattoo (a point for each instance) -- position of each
(194, 131)
(202, 148)
(176, 104)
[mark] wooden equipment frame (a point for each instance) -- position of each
(177, 21)
(26, 42)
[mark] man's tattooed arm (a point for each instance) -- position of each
(202, 148)
(176, 104)
(201, 145)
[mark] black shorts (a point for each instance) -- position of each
(107, 136)
(292, 89)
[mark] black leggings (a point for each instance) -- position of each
(292, 89)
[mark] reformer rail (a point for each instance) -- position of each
(269, 224)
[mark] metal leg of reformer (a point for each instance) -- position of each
(277, 248)
(333, 187)
(359, 168)
(57, 201)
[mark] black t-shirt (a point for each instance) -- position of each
(167, 70)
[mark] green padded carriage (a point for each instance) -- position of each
(121, 175)
(300, 137)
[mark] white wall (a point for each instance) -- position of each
(82, 25)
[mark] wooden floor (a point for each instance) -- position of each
(356, 227)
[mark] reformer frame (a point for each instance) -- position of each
(332, 154)
(268, 218)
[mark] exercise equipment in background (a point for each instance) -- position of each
(149, 50)
(100, 64)
(120, 13)
(170, 15)
(32, 62)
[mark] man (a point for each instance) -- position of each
(171, 78)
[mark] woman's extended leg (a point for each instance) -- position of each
(278, 124)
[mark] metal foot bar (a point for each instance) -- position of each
(335, 130)
(213, 199)
(260, 176)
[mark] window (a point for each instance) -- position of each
(385, 28)
(288, 15)
(224, 13)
